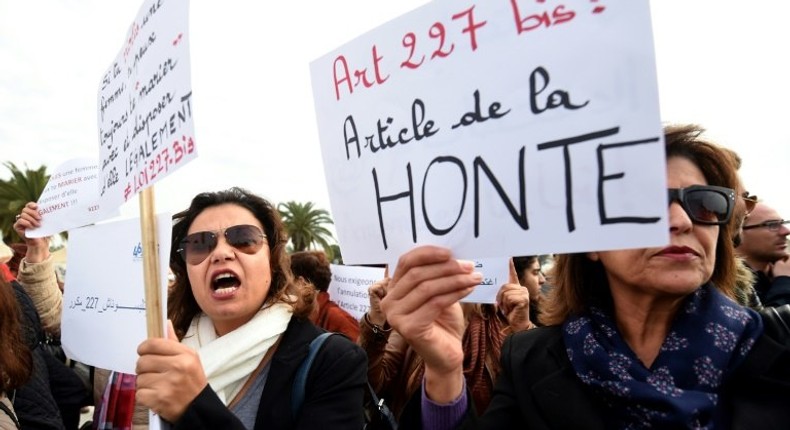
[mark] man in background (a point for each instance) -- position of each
(764, 247)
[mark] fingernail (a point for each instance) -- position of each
(477, 276)
(466, 264)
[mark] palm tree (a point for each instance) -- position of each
(24, 186)
(304, 224)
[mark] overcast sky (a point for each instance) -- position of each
(720, 64)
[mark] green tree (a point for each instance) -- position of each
(24, 186)
(335, 255)
(305, 225)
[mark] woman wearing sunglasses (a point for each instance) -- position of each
(241, 319)
(638, 338)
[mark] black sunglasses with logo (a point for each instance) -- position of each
(705, 204)
(197, 246)
(772, 225)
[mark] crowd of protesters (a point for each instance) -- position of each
(689, 335)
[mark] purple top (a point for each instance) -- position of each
(443, 416)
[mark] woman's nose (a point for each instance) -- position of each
(223, 250)
(679, 220)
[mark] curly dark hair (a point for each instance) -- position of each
(313, 266)
(182, 306)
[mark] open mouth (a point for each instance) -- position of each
(225, 283)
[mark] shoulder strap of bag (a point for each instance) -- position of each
(297, 393)
(10, 413)
(384, 412)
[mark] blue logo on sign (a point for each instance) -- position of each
(138, 251)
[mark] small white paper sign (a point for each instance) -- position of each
(495, 128)
(496, 273)
(71, 198)
(145, 104)
(104, 298)
(349, 287)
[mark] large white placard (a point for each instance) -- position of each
(104, 297)
(496, 127)
(145, 103)
(71, 198)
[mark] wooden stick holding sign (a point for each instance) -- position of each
(151, 269)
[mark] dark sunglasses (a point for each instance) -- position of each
(705, 204)
(197, 246)
(772, 225)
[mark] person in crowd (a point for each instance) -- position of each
(240, 330)
(36, 402)
(396, 370)
(764, 247)
(16, 361)
(530, 275)
(313, 267)
(745, 293)
(637, 338)
(36, 272)
(113, 392)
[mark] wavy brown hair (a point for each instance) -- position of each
(578, 281)
(16, 360)
(182, 306)
(313, 266)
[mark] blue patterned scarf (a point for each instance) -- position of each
(708, 339)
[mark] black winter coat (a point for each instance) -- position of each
(334, 390)
(35, 406)
(538, 389)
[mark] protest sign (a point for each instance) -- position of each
(495, 274)
(145, 104)
(495, 128)
(71, 198)
(349, 287)
(104, 302)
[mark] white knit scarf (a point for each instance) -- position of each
(228, 361)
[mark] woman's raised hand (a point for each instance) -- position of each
(513, 300)
(422, 305)
(376, 292)
(29, 218)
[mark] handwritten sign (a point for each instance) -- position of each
(104, 299)
(349, 287)
(496, 127)
(145, 103)
(71, 198)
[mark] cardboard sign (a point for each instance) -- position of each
(145, 104)
(495, 128)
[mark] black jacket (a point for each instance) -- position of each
(35, 406)
(538, 389)
(334, 391)
(772, 292)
